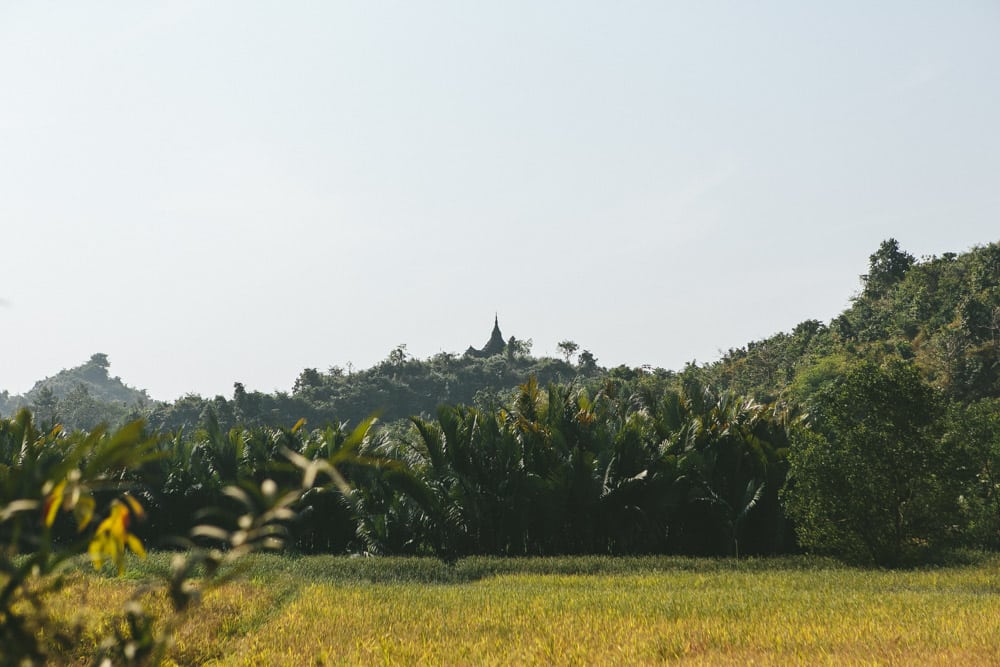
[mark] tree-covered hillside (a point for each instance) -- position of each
(943, 313)
(80, 397)
(396, 388)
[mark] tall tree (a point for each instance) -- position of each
(871, 481)
(568, 348)
(886, 267)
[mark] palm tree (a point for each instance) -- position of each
(727, 458)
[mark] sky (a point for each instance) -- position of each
(212, 192)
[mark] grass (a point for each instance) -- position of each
(589, 610)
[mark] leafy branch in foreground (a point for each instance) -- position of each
(42, 473)
(255, 518)
(46, 475)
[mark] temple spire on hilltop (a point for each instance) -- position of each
(495, 345)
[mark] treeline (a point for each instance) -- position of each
(884, 469)
(942, 314)
(395, 388)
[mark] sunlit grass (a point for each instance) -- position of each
(325, 610)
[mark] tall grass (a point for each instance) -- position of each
(399, 569)
(330, 610)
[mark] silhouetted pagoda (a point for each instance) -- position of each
(496, 344)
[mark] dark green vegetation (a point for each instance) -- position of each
(875, 438)
(395, 389)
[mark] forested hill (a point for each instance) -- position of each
(943, 313)
(84, 395)
(396, 388)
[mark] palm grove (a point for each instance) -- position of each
(875, 438)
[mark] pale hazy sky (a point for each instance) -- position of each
(219, 191)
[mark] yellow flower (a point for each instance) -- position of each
(112, 536)
(75, 497)
(52, 503)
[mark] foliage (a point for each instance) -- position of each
(567, 348)
(80, 398)
(45, 473)
(42, 473)
(887, 267)
(397, 388)
(943, 313)
(872, 480)
(628, 470)
(973, 437)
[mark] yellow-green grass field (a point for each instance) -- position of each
(327, 610)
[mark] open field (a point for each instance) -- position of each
(330, 610)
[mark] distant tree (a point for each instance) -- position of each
(568, 348)
(46, 406)
(184, 414)
(100, 359)
(308, 379)
(8, 403)
(519, 349)
(587, 361)
(887, 266)
(398, 355)
(246, 406)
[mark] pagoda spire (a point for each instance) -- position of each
(495, 345)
